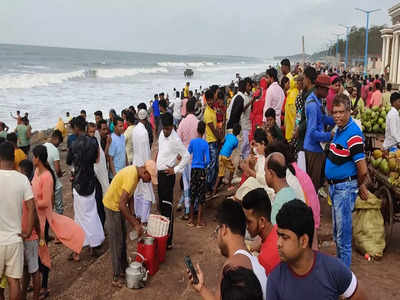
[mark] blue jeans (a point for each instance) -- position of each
(212, 168)
(343, 196)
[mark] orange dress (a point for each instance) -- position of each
(66, 230)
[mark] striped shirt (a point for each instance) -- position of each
(345, 150)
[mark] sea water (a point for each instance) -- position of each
(47, 82)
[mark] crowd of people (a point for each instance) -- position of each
(295, 135)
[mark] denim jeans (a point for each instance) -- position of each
(343, 196)
(212, 168)
(58, 201)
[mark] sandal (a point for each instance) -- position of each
(116, 283)
(190, 224)
(74, 257)
(44, 294)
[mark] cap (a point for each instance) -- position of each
(322, 81)
(142, 114)
(150, 166)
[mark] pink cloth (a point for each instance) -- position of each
(274, 98)
(66, 230)
(376, 98)
(256, 115)
(187, 129)
(183, 108)
(329, 100)
(309, 191)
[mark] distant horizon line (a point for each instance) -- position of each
(131, 51)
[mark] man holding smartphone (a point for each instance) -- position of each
(230, 238)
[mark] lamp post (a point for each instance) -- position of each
(346, 56)
(367, 12)
(337, 48)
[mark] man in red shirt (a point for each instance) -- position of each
(257, 208)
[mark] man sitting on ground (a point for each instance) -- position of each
(304, 273)
(257, 208)
(230, 238)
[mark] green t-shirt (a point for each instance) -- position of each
(3, 134)
(23, 140)
(284, 195)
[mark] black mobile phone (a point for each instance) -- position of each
(189, 265)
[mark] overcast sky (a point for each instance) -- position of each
(261, 28)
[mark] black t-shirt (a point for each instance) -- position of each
(82, 155)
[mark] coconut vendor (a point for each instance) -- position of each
(392, 132)
(347, 174)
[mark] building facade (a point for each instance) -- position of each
(391, 47)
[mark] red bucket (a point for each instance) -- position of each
(149, 252)
(161, 247)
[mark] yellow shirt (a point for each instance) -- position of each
(210, 116)
(61, 127)
(186, 92)
(125, 180)
(19, 156)
(290, 108)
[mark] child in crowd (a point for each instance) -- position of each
(225, 162)
(270, 117)
(198, 184)
(31, 244)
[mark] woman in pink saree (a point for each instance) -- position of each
(66, 230)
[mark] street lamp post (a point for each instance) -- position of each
(346, 56)
(367, 12)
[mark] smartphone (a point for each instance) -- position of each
(189, 265)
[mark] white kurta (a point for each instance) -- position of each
(100, 168)
(141, 154)
(85, 214)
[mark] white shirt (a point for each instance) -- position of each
(274, 98)
(168, 150)
(392, 133)
(53, 155)
(15, 188)
(258, 270)
(141, 145)
(177, 107)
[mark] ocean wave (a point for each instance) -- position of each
(114, 73)
(29, 80)
(230, 68)
(168, 64)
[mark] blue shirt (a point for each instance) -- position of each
(231, 142)
(316, 120)
(345, 150)
(328, 279)
(117, 151)
(156, 109)
(201, 154)
(70, 140)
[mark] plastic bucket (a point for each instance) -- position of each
(161, 247)
(149, 252)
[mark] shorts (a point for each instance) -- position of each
(224, 163)
(198, 185)
(12, 260)
(31, 256)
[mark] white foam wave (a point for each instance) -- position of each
(168, 64)
(230, 68)
(29, 80)
(25, 81)
(115, 73)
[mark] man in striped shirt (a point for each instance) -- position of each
(347, 174)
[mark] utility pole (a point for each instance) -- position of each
(337, 49)
(367, 12)
(302, 49)
(346, 56)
